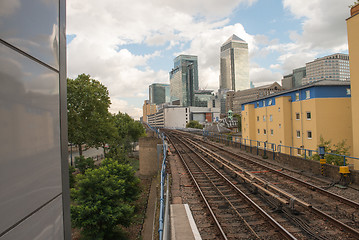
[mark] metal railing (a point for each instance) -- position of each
(267, 146)
(164, 198)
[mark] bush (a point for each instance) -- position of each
(339, 148)
(104, 199)
(82, 163)
(71, 176)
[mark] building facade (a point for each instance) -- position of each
(241, 97)
(353, 38)
(294, 79)
(332, 67)
(148, 109)
(202, 98)
(34, 198)
(178, 117)
(300, 117)
(184, 79)
(234, 65)
(159, 93)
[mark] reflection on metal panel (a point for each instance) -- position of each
(32, 26)
(43, 225)
(30, 172)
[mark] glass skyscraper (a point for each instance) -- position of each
(184, 79)
(234, 65)
(159, 93)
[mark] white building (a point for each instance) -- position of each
(332, 67)
(178, 117)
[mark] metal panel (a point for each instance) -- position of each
(43, 225)
(30, 172)
(32, 26)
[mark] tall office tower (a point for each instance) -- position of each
(184, 79)
(234, 65)
(159, 93)
(332, 67)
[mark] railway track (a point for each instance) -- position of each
(234, 214)
(296, 201)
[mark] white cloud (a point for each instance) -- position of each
(262, 76)
(122, 106)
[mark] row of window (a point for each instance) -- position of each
(297, 116)
(309, 133)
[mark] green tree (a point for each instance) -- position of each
(127, 131)
(194, 124)
(239, 119)
(340, 149)
(82, 163)
(89, 121)
(104, 200)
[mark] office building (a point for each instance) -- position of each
(184, 79)
(332, 67)
(353, 39)
(159, 93)
(178, 116)
(294, 79)
(202, 98)
(34, 192)
(251, 94)
(234, 65)
(147, 109)
(300, 117)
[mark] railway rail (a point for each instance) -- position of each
(284, 192)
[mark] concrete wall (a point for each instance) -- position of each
(149, 163)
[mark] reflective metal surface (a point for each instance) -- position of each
(30, 162)
(45, 224)
(32, 26)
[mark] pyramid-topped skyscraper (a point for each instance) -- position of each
(234, 65)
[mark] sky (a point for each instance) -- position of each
(128, 45)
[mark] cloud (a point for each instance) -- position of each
(119, 105)
(262, 76)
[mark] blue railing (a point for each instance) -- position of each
(162, 231)
(267, 146)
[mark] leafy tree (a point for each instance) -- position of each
(104, 199)
(88, 102)
(83, 163)
(239, 119)
(340, 149)
(194, 124)
(127, 131)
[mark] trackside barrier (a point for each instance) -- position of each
(164, 198)
(267, 146)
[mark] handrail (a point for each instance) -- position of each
(274, 147)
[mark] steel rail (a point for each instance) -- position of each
(218, 225)
(308, 185)
(256, 207)
(302, 203)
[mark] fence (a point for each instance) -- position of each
(268, 147)
(164, 198)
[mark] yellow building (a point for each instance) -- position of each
(353, 42)
(148, 109)
(300, 117)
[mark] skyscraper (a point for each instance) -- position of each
(159, 93)
(184, 79)
(234, 64)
